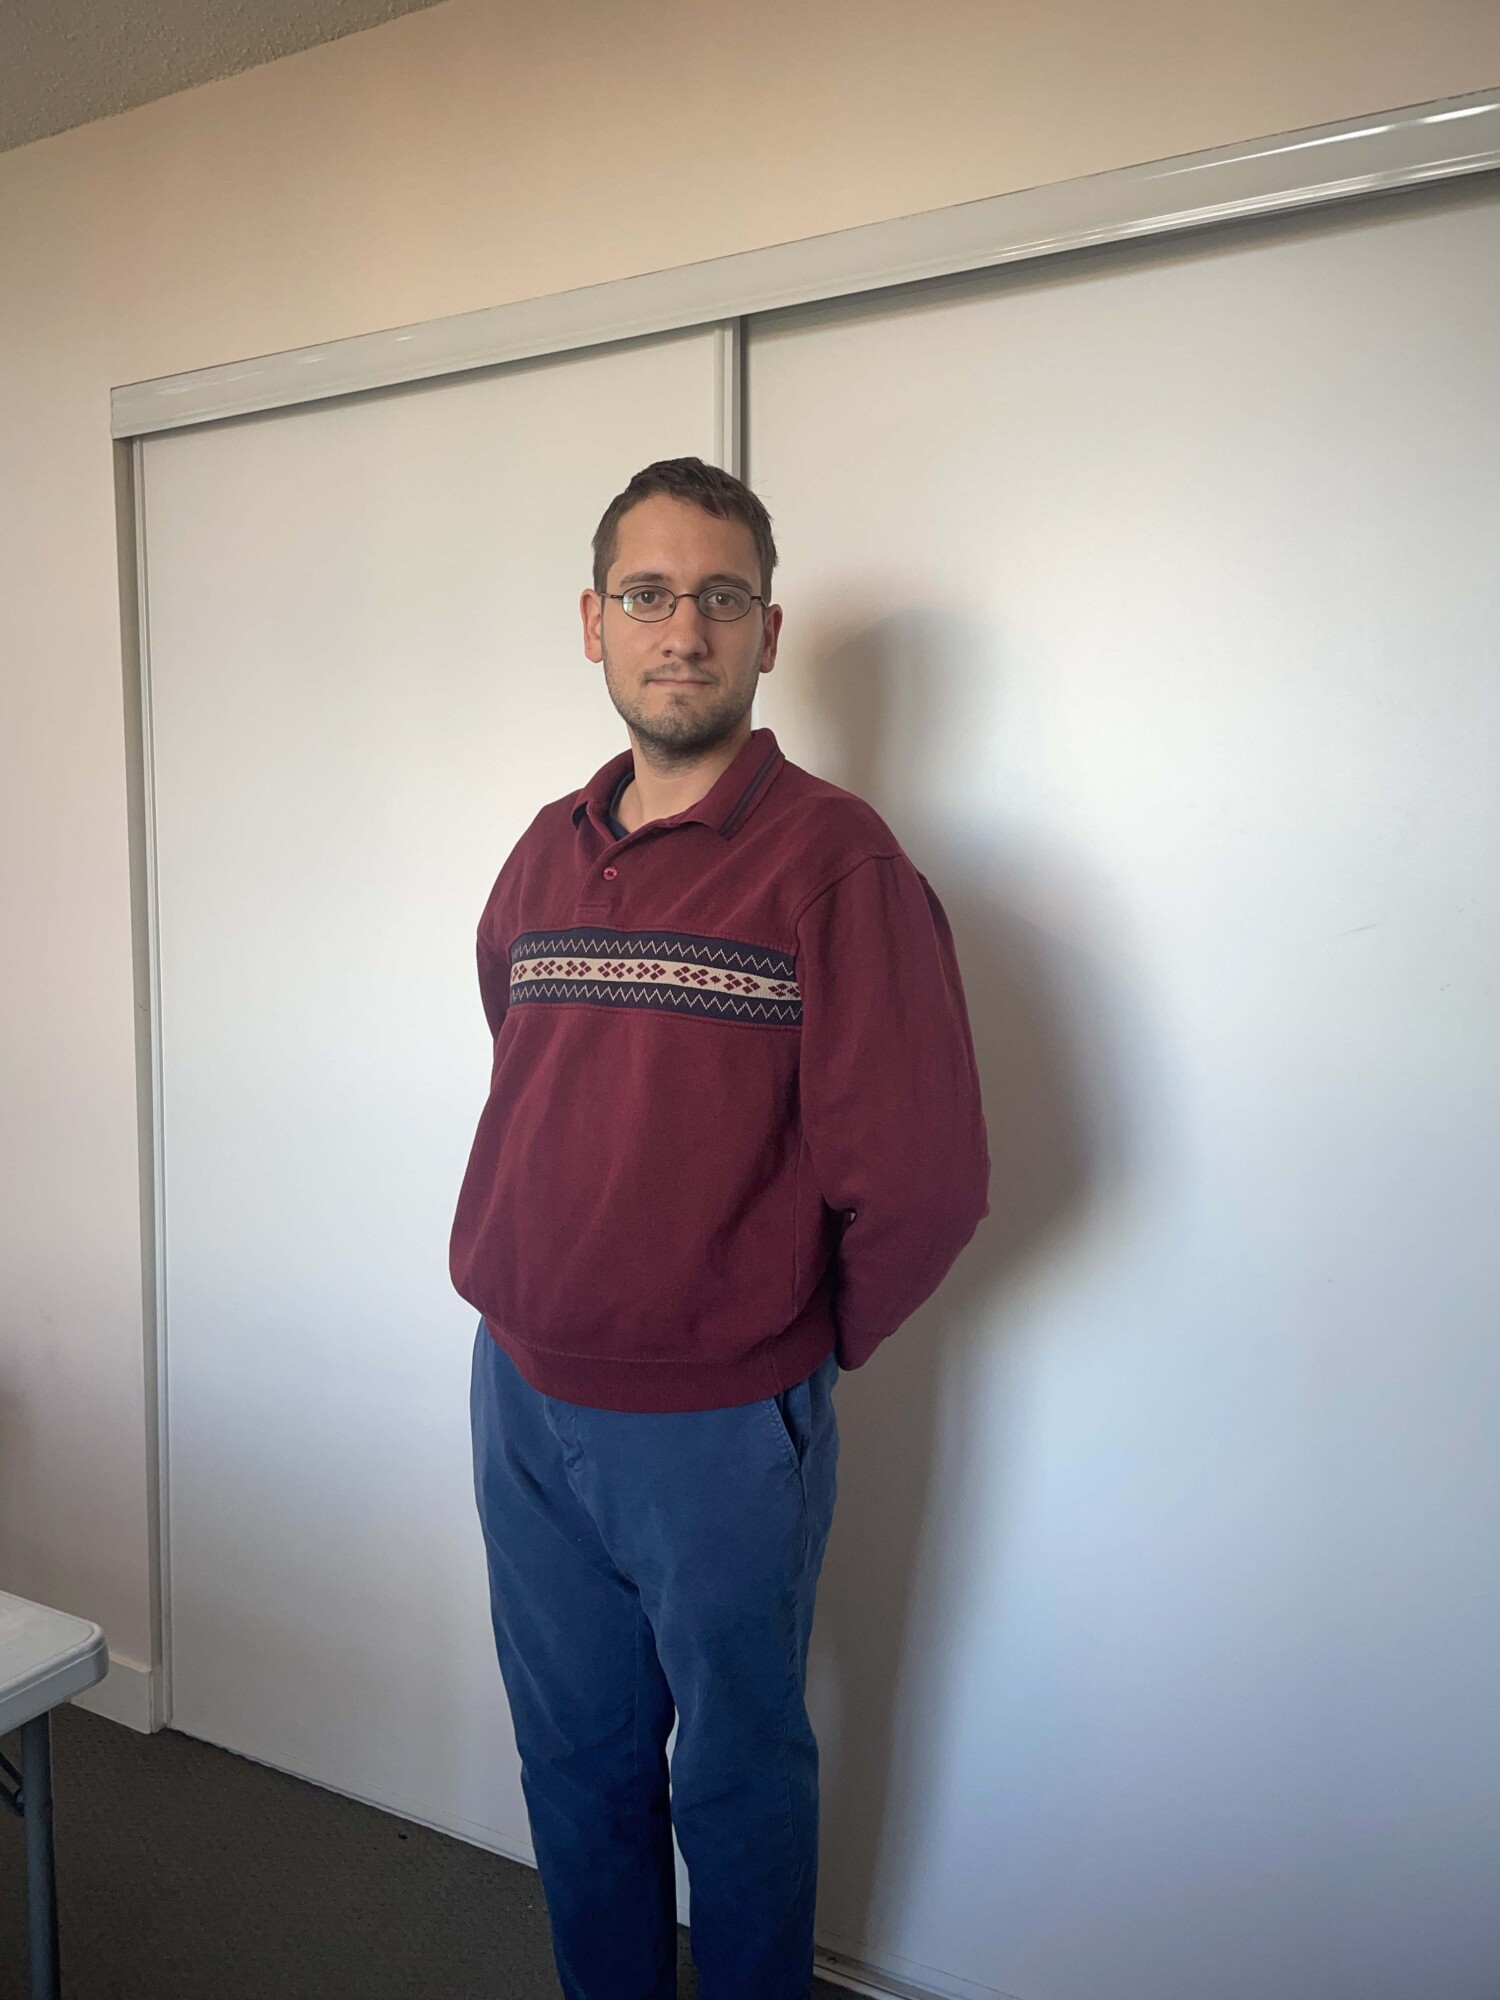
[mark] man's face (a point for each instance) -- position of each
(685, 684)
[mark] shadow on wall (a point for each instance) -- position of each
(916, 1422)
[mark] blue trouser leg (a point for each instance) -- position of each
(639, 1562)
(589, 1702)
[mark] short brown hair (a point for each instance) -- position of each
(707, 486)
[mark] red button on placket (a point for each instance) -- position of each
(610, 874)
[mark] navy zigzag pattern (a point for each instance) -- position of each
(675, 999)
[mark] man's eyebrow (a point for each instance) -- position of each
(637, 576)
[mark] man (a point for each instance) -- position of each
(733, 1139)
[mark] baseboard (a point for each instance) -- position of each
(889, 1976)
(128, 1693)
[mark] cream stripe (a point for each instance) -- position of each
(653, 971)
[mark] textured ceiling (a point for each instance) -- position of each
(66, 62)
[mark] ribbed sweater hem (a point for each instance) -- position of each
(666, 1386)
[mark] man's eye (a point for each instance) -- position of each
(646, 597)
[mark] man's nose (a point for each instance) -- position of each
(685, 628)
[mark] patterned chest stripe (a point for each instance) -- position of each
(669, 970)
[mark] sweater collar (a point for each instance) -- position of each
(728, 802)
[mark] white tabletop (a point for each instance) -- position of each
(45, 1656)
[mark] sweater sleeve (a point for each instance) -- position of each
(890, 1093)
(494, 983)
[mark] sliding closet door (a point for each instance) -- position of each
(1153, 597)
(366, 676)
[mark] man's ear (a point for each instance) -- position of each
(772, 616)
(591, 610)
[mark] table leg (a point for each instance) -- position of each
(41, 1879)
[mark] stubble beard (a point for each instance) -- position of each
(689, 725)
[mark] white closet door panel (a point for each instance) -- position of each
(366, 677)
(1154, 598)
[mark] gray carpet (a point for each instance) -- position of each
(187, 1873)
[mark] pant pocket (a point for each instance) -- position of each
(792, 1412)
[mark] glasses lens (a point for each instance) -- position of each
(724, 603)
(648, 603)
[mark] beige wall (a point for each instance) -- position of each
(455, 158)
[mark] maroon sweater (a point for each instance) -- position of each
(733, 1118)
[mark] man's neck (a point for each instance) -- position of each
(657, 792)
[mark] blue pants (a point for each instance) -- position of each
(642, 1565)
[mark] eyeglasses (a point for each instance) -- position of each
(650, 603)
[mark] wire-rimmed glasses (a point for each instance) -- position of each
(651, 603)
